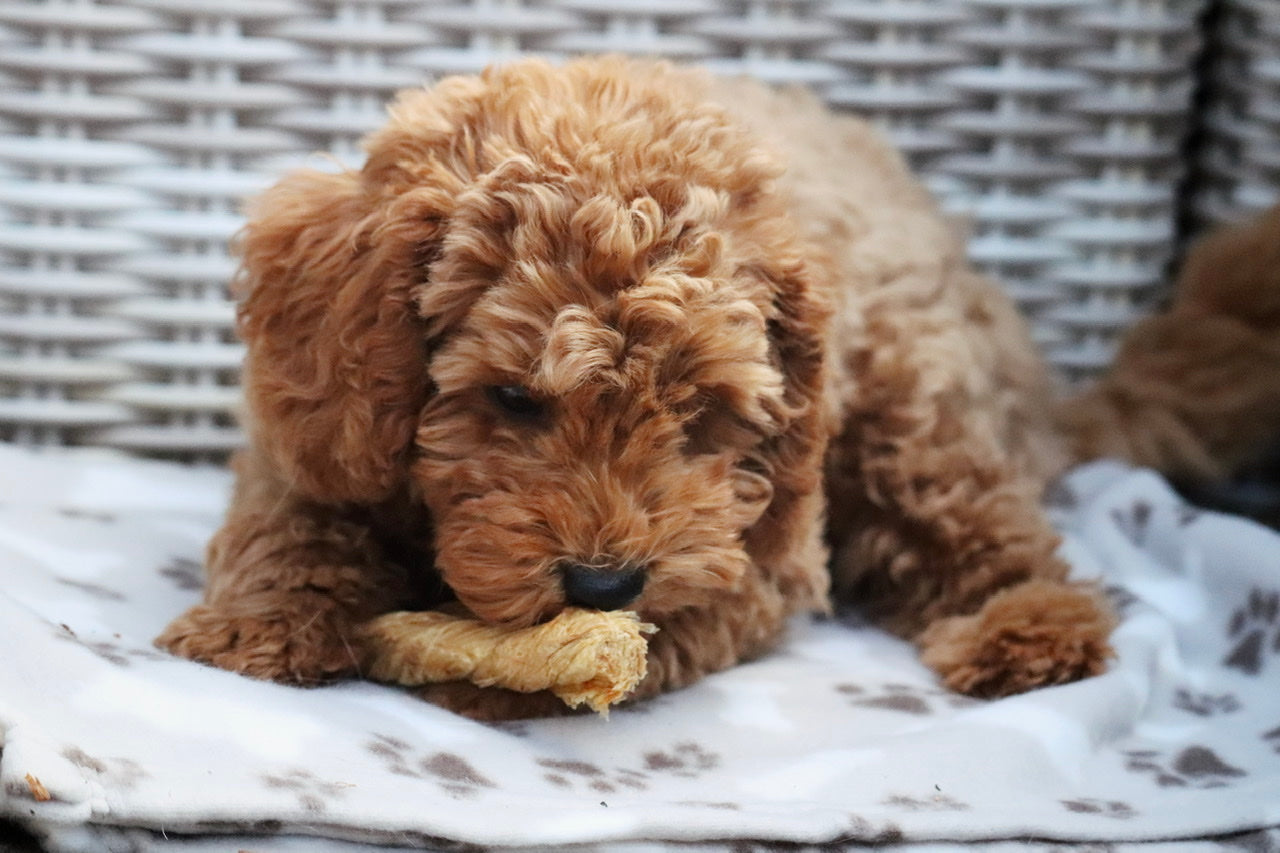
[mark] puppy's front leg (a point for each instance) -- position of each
(287, 580)
(937, 530)
(958, 556)
(695, 642)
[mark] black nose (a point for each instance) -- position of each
(605, 588)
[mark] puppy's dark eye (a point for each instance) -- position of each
(516, 401)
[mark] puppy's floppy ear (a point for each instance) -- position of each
(797, 331)
(336, 370)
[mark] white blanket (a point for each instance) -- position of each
(841, 735)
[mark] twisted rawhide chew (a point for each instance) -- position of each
(585, 657)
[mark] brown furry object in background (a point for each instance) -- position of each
(619, 335)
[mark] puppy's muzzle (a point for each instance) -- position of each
(602, 588)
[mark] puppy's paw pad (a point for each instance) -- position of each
(1037, 634)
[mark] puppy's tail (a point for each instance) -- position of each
(1195, 391)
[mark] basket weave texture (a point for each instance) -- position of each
(130, 131)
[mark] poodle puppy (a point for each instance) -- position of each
(622, 335)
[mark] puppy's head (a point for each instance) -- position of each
(565, 309)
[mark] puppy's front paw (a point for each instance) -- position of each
(1032, 635)
(492, 704)
(299, 646)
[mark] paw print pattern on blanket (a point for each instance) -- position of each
(935, 802)
(393, 752)
(88, 515)
(184, 573)
(1188, 514)
(687, 760)
(1255, 630)
(1195, 766)
(903, 698)
(569, 774)
(452, 772)
(711, 804)
(123, 773)
(93, 590)
(1122, 600)
(455, 774)
(1205, 704)
(1134, 522)
(113, 653)
(1272, 738)
(1106, 808)
(313, 793)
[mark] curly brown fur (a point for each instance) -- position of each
(728, 309)
(1195, 390)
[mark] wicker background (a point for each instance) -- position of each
(130, 130)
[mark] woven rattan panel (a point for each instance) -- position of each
(129, 131)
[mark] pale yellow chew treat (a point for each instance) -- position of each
(582, 656)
